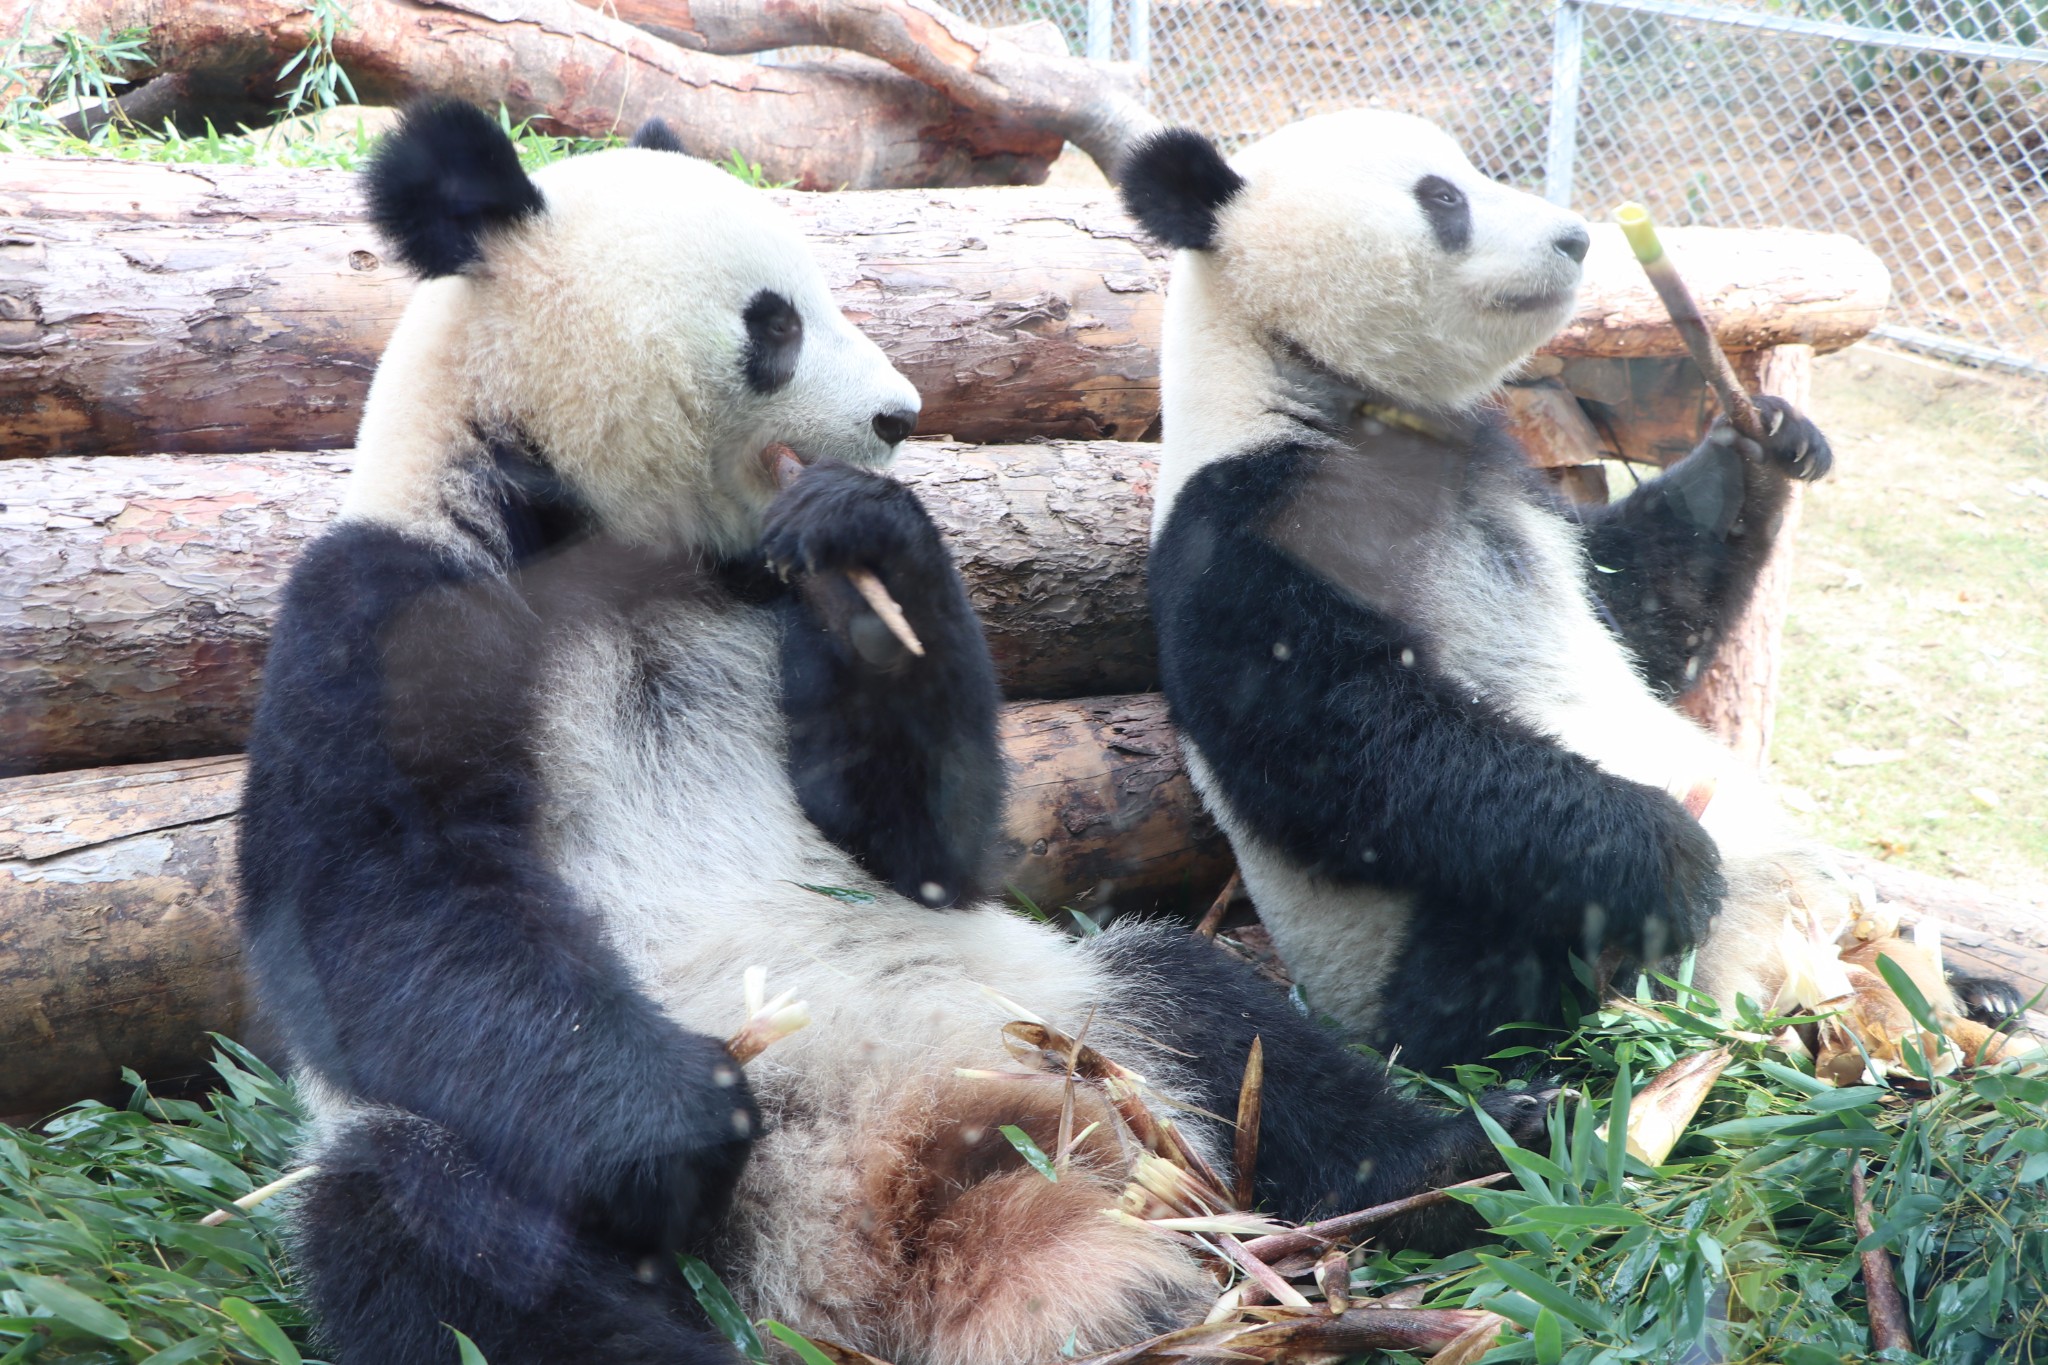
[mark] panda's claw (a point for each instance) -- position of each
(1523, 1114)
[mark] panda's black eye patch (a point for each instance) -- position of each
(775, 334)
(1448, 211)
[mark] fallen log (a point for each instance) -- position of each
(224, 309)
(117, 942)
(849, 122)
(137, 594)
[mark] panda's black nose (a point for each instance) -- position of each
(1573, 242)
(894, 426)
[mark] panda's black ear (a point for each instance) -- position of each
(440, 180)
(1174, 182)
(657, 136)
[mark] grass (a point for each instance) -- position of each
(1913, 710)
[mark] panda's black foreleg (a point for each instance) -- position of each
(407, 931)
(1334, 1133)
(1676, 561)
(893, 755)
(403, 1236)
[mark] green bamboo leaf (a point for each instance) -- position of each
(468, 1349)
(1544, 1294)
(1909, 994)
(720, 1306)
(1617, 1123)
(80, 1310)
(1031, 1151)
(268, 1337)
(185, 1352)
(798, 1342)
(1549, 1337)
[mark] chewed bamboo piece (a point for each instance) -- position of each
(785, 468)
(768, 1021)
(1686, 317)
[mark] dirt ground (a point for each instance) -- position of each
(1914, 716)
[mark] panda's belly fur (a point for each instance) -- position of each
(669, 809)
(1519, 630)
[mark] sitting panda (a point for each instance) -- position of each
(1425, 700)
(555, 744)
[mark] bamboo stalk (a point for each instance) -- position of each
(1686, 317)
(1310, 1236)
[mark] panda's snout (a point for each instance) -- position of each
(1573, 242)
(892, 426)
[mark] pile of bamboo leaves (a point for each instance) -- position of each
(1740, 1245)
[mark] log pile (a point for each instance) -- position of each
(186, 354)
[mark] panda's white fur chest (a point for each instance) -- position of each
(668, 808)
(1495, 582)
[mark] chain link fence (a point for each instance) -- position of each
(1917, 126)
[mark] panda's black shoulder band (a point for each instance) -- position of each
(1174, 182)
(442, 179)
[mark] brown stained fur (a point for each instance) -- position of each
(993, 1263)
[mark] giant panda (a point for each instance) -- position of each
(1425, 700)
(556, 742)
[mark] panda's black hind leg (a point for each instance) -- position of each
(1989, 1000)
(401, 1237)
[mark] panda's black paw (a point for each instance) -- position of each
(1792, 445)
(1988, 1000)
(1525, 1113)
(837, 517)
(1658, 887)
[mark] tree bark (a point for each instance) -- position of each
(1737, 696)
(137, 594)
(117, 938)
(1093, 105)
(590, 74)
(224, 309)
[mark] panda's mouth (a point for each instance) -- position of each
(1541, 302)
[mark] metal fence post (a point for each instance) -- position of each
(1140, 18)
(1101, 28)
(1567, 48)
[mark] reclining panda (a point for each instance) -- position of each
(551, 750)
(1425, 700)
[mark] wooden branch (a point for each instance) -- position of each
(849, 123)
(1890, 1326)
(229, 309)
(1093, 105)
(1737, 695)
(117, 942)
(137, 594)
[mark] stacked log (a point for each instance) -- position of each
(117, 892)
(152, 308)
(137, 592)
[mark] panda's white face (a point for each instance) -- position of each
(1369, 241)
(651, 329)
